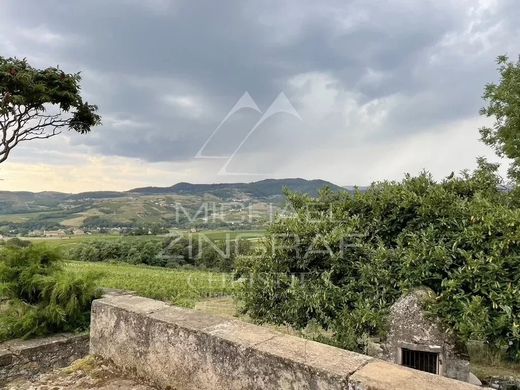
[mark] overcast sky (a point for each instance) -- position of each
(217, 91)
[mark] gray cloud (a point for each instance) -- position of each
(165, 73)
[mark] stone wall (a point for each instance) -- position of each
(29, 358)
(410, 328)
(182, 349)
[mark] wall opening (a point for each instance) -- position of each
(420, 360)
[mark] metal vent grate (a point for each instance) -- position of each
(420, 360)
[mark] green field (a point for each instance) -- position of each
(67, 243)
(20, 217)
(181, 287)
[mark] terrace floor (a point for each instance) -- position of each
(83, 374)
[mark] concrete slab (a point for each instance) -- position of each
(187, 318)
(21, 345)
(133, 303)
(320, 356)
(240, 332)
(380, 375)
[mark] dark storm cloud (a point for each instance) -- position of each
(166, 72)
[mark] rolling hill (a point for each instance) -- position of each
(260, 189)
(148, 205)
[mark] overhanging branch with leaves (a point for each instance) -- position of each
(39, 104)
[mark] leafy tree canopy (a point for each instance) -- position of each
(504, 105)
(39, 104)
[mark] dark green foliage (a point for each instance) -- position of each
(33, 104)
(221, 255)
(39, 298)
(179, 251)
(133, 252)
(17, 243)
(342, 260)
(171, 252)
(504, 105)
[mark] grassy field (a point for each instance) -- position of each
(21, 217)
(66, 243)
(181, 287)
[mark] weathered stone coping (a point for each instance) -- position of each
(183, 349)
(29, 358)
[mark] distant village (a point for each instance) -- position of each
(64, 233)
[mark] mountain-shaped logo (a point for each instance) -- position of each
(279, 105)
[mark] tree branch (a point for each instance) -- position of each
(21, 123)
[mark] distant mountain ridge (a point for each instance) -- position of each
(260, 189)
(24, 201)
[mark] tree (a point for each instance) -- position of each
(39, 104)
(504, 105)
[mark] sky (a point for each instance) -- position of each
(350, 91)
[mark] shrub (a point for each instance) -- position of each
(133, 252)
(41, 298)
(168, 252)
(342, 260)
(17, 243)
(221, 255)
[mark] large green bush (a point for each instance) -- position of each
(138, 251)
(38, 297)
(343, 259)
